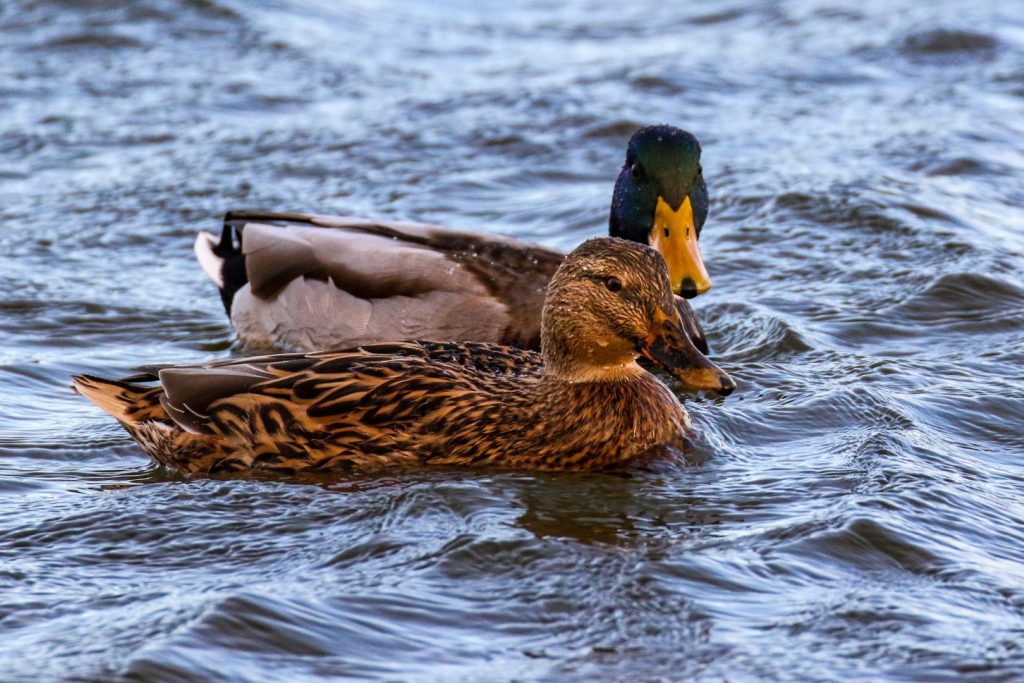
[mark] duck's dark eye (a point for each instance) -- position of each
(635, 170)
(700, 170)
(613, 283)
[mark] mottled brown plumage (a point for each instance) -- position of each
(584, 404)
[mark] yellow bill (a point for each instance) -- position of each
(675, 236)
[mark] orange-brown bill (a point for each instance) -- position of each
(668, 346)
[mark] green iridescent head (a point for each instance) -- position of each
(660, 199)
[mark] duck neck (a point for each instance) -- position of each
(569, 357)
(575, 373)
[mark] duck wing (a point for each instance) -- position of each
(309, 282)
(371, 405)
(189, 391)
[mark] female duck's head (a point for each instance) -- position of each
(609, 303)
(660, 199)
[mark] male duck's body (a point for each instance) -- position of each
(584, 404)
(305, 282)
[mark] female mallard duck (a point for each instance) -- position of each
(286, 282)
(583, 403)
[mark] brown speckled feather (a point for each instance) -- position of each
(399, 403)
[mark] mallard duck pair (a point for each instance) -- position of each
(582, 403)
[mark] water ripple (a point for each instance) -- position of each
(852, 512)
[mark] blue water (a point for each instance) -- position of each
(859, 513)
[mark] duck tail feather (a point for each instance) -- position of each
(127, 402)
(206, 252)
(222, 259)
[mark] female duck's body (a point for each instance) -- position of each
(425, 410)
(584, 404)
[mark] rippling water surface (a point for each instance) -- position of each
(860, 512)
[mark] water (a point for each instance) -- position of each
(859, 514)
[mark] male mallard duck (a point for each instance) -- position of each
(583, 403)
(289, 283)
